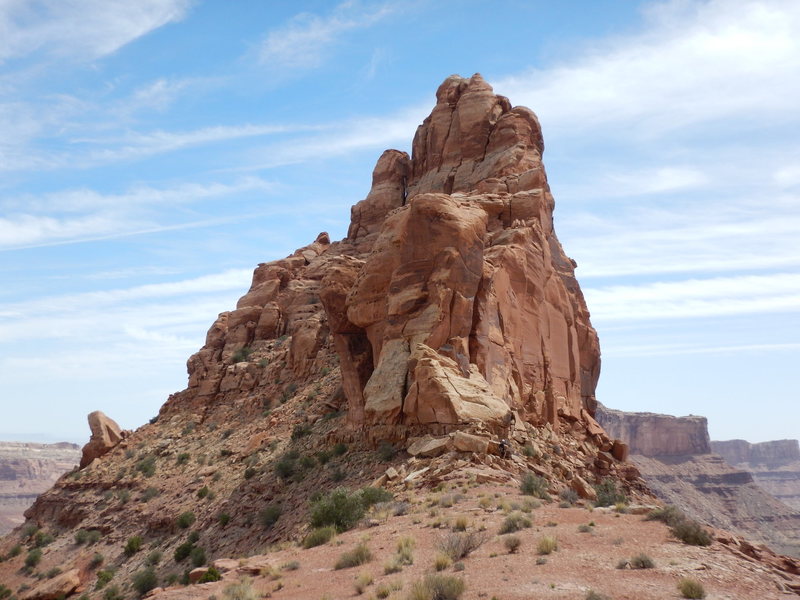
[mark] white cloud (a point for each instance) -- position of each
(305, 41)
(719, 296)
(695, 62)
(86, 29)
(81, 215)
(622, 350)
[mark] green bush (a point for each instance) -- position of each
(514, 522)
(249, 472)
(692, 533)
(270, 515)
(198, 556)
(96, 561)
(149, 494)
(211, 575)
(183, 551)
(103, 577)
(339, 449)
(183, 458)
(437, 587)
(185, 520)
(203, 492)
(386, 452)
(241, 590)
(147, 466)
(568, 495)
(286, 466)
(372, 495)
(133, 545)
(81, 536)
(353, 558)
(224, 519)
(319, 536)
(300, 430)
(608, 494)
(691, 588)
(33, 558)
(113, 593)
(145, 580)
(94, 536)
(533, 485)
(42, 539)
(153, 558)
(16, 550)
(242, 354)
(671, 515)
(339, 508)
(5, 592)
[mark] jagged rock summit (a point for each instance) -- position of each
(451, 300)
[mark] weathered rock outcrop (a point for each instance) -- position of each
(105, 435)
(449, 314)
(774, 465)
(27, 470)
(651, 434)
(674, 457)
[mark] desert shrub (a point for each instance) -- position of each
(269, 515)
(671, 515)
(33, 558)
(5, 592)
(460, 523)
(55, 571)
(529, 451)
(319, 536)
(286, 465)
(441, 562)
(568, 495)
(224, 519)
(339, 508)
(42, 539)
(16, 550)
(608, 494)
(211, 575)
(203, 492)
(547, 545)
(592, 595)
(460, 545)
(197, 556)
(641, 561)
(339, 449)
(241, 590)
(149, 494)
(103, 577)
(533, 485)
(145, 580)
(193, 537)
(241, 355)
(514, 522)
(512, 543)
(692, 533)
(292, 565)
(96, 561)
(353, 558)
(691, 588)
(386, 451)
(81, 536)
(94, 536)
(308, 462)
(437, 587)
(584, 528)
(363, 581)
(147, 466)
(113, 593)
(372, 495)
(183, 458)
(186, 519)
(405, 550)
(133, 545)
(183, 551)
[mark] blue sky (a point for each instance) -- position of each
(153, 152)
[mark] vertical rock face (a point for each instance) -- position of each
(27, 470)
(466, 285)
(651, 434)
(775, 465)
(673, 455)
(105, 435)
(451, 300)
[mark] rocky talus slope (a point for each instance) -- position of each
(27, 470)
(775, 465)
(674, 456)
(448, 320)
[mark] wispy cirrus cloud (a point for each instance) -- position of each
(691, 298)
(305, 41)
(695, 62)
(86, 29)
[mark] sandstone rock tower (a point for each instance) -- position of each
(450, 302)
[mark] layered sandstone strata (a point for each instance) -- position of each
(27, 470)
(673, 455)
(774, 465)
(451, 300)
